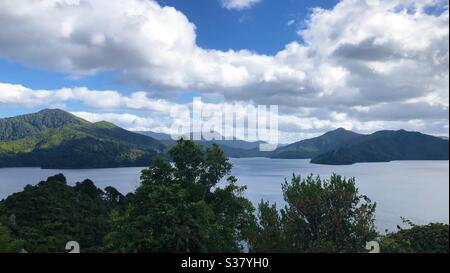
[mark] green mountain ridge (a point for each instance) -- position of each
(385, 146)
(57, 139)
(310, 148)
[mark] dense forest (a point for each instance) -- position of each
(181, 205)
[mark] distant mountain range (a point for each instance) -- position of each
(235, 148)
(57, 139)
(60, 140)
(234, 143)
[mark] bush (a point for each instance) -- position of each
(320, 216)
(432, 238)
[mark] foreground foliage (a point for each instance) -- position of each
(46, 216)
(7, 243)
(320, 216)
(432, 238)
(178, 207)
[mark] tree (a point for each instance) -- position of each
(320, 216)
(115, 199)
(269, 231)
(179, 208)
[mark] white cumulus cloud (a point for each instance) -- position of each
(239, 4)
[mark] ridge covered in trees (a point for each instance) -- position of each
(55, 139)
(343, 147)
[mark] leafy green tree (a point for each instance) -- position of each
(179, 208)
(320, 216)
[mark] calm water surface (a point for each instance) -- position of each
(416, 190)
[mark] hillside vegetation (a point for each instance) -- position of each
(385, 146)
(57, 139)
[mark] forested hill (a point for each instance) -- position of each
(57, 139)
(313, 147)
(384, 146)
(343, 147)
(22, 126)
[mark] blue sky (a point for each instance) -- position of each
(263, 28)
(364, 65)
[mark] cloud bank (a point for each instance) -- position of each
(139, 112)
(362, 62)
